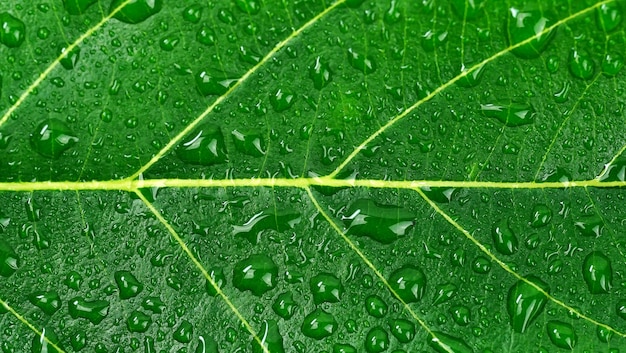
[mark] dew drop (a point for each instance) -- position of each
(78, 340)
(326, 287)
(284, 305)
(153, 304)
(128, 284)
(250, 143)
(214, 84)
(402, 330)
(525, 302)
(376, 340)
(504, 239)
(138, 322)
(168, 43)
(48, 302)
(512, 114)
(409, 283)
(251, 7)
(73, 280)
(444, 292)
(257, 273)
(136, 11)
(461, 315)
(523, 25)
(439, 195)
(562, 334)
(320, 73)
(266, 220)
(581, 65)
(361, 62)
(541, 216)
(319, 324)
(205, 146)
(612, 64)
(432, 40)
(282, 100)
(590, 226)
(472, 76)
(272, 339)
(376, 306)
(41, 345)
(12, 30)
(77, 7)
(609, 16)
(217, 275)
(467, 9)
(598, 273)
(206, 36)
(444, 343)
(382, 223)
(184, 332)
(95, 311)
(9, 261)
(192, 13)
(52, 137)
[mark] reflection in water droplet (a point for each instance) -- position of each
(598, 273)
(204, 146)
(523, 25)
(136, 10)
(12, 30)
(257, 273)
(52, 137)
(512, 114)
(383, 223)
(562, 334)
(525, 302)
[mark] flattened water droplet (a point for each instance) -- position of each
(534, 24)
(439, 195)
(95, 311)
(128, 284)
(402, 330)
(609, 16)
(377, 340)
(138, 322)
(581, 65)
(361, 62)
(77, 7)
(250, 143)
(512, 114)
(12, 30)
(319, 324)
(444, 343)
(154, 304)
(9, 261)
(562, 334)
(376, 306)
(343, 348)
(326, 288)
(52, 137)
(383, 223)
(284, 305)
(541, 216)
(258, 274)
(268, 219)
(598, 273)
(272, 339)
(320, 73)
(48, 302)
(409, 283)
(612, 64)
(525, 303)
(136, 11)
(213, 83)
(505, 241)
(282, 100)
(73, 280)
(205, 146)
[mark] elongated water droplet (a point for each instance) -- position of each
(581, 65)
(258, 274)
(504, 239)
(444, 343)
(376, 306)
(77, 7)
(12, 30)
(211, 83)
(95, 311)
(512, 114)
(319, 324)
(562, 334)
(320, 73)
(409, 283)
(52, 137)
(136, 10)
(383, 223)
(525, 302)
(272, 339)
(204, 146)
(9, 261)
(598, 273)
(403, 330)
(523, 25)
(48, 302)
(266, 220)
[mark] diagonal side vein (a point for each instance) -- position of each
(378, 274)
(223, 97)
(505, 267)
(205, 273)
(56, 62)
(446, 85)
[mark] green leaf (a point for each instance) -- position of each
(311, 176)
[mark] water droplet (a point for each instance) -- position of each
(562, 334)
(250, 143)
(402, 330)
(213, 83)
(266, 220)
(581, 65)
(192, 13)
(48, 302)
(319, 324)
(128, 284)
(138, 322)
(609, 16)
(552, 64)
(78, 340)
(444, 343)
(251, 7)
(95, 311)
(136, 10)
(52, 137)
(598, 273)
(41, 345)
(77, 7)
(282, 100)
(523, 25)
(9, 261)
(563, 93)
(471, 78)
(444, 292)
(168, 43)
(590, 226)
(525, 302)
(271, 337)
(184, 332)
(217, 275)
(616, 171)
(439, 195)
(612, 64)
(461, 315)
(432, 40)
(154, 304)
(206, 36)
(284, 305)
(376, 306)
(504, 239)
(377, 340)
(249, 56)
(604, 335)
(361, 62)
(343, 348)
(512, 114)
(12, 30)
(540, 216)
(205, 146)
(258, 274)
(467, 9)
(481, 265)
(409, 283)
(320, 73)
(621, 309)
(326, 288)
(73, 280)
(383, 223)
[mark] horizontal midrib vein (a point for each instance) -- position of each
(132, 185)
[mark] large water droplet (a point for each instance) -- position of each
(52, 137)
(154, 304)
(504, 239)
(609, 16)
(282, 100)
(258, 274)
(9, 261)
(523, 25)
(77, 7)
(272, 339)
(326, 288)
(95, 311)
(70, 59)
(461, 315)
(403, 330)
(266, 220)
(128, 284)
(376, 306)
(409, 283)
(12, 30)
(598, 273)
(383, 223)
(376, 340)
(525, 302)
(444, 343)
(581, 65)
(562, 334)
(204, 146)
(192, 13)
(361, 62)
(471, 78)
(512, 114)
(319, 324)
(136, 10)
(48, 302)
(320, 73)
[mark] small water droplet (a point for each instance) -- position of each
(128, 284)
(257, 273)
(12, 30)
(361, 62)
(266, 220)
(504, 239)
(403, 330)
(282, 100)
(206, 36)
(284, 305)
(138, 322)
(136, 11)
(609, 16)
(204, 146)
(562, 334)
(77, 7)
(409, 283)
(48, 302)
(95, 311)
(598, 273)
(444, 343)
(192, 13)
(73, 280)
(525, 302)
(168, 43)
(523, 25)
(581, 65)
(319, 324)
(52, 137)
(511, 114)
(382, 223)
(552, 64)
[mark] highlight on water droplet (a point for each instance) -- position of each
(320, 73)
(136, 11)
(609, 16)
(278, 220)
(376, 340)
(52, 137)
(504, 239)
(70, 59)
(444, 343)
(403, 330)
(12, 30)
(361, 62)
(204, 146)
(213, 83)
(526, 24)
(511, 114)
(319, 324)
(282, 100)
(326, 288)
(251, 143)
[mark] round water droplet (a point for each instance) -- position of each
(612, 64)
(361, 62)
(205, 146)
(138, 322)
(505, 241)
(512, 114)
(250, 142)
(48, 302)
(581, 65)
(467, 9)
(402, 330)
(206, 36)
(377, 340)
(540, 216)
(376, 306)
(95, 311)
(562, 334)
(461, 315)
(326, 288)
(284, 305)
(127, 284)
(444, 343)
(320, 73)
(481, 265)
(213, 83)
(52, 137)
(523, 25)
(258, 274)
(609, 16)
(598, 273)
(77, 7)
(12, 30)
(282, 100)
(604, 335)
(168, 43)
(136, 10)
(192, 13)
(184, 332)
(319, 324)
(525, 302)
(73, 280)
(9, 261)
(409, 283)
